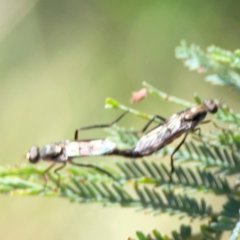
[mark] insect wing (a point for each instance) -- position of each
(89, 148)
(162, 135)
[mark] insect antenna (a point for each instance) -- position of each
(154, 118)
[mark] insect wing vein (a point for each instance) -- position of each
(162, 135)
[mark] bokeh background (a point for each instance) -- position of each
(59, 60)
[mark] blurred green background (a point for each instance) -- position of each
(61, 59)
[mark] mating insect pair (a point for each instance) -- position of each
(180, 123)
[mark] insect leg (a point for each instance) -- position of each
(215, 125)
(224, 130)
(175, 150)
(199, 132)
(98, 126)
(152, 120)
(206, 121)
(199, 135)
(92, 166)
(56, 172)
(44, 175)
(148, 124)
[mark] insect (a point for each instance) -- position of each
(180, 123)
(65, 151)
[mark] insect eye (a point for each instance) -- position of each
(211, 106)
(214, 109)
(33, 155)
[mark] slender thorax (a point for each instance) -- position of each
(191, 118)
(198, 113)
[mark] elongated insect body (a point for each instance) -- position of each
(180, 123)
(89, 148)
(65, 150)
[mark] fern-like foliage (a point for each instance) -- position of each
(224, 65)
(235, 232)
(185, 233)
(144, 184)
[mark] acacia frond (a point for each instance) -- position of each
(235, 232)
(225, 161)
(224, 63)
(229, 216)
(185, 233)
(93, 187)
(158, 174)
(219, 151)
